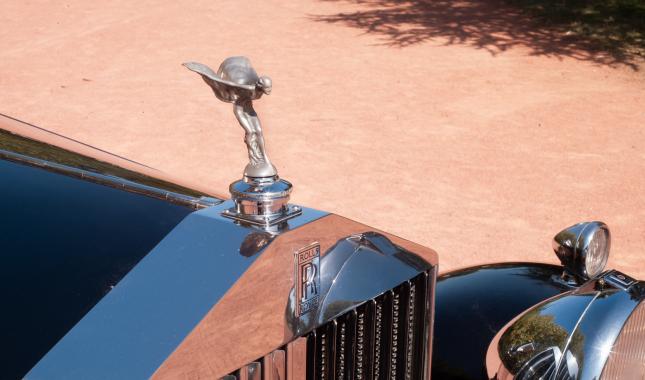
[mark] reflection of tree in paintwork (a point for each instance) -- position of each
(43, 151)
(255, 242)
(539, 329)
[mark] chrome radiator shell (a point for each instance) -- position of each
(215, 296)
(255, 318)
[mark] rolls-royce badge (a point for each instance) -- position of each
(307, 276)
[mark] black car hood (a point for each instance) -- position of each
(65, 242)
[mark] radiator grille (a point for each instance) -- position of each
(384, 338)
(381, 339)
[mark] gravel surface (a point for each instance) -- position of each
(465, 136)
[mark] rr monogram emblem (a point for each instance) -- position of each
(307, 275)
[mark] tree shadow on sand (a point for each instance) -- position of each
(491, 25)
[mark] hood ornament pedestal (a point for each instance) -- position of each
(260, 197)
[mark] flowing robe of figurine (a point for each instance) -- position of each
(237, 82)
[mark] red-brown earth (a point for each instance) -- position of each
(457, 125)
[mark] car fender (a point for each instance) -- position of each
(473, 304)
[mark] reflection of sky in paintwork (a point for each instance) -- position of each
(513, 276)
(357, 280)
(567, 310)
(65, 243)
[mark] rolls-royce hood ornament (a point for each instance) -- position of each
(237, 82)
(260, 196)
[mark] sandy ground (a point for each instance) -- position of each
(449, 124)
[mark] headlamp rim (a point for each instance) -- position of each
(572, 244)
(583, 245)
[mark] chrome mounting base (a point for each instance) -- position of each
(261, 201)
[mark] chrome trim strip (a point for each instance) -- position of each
(50, 141)
(115, 182)
(7, 128)
(431, 286)
(136, 326)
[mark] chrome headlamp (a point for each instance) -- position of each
(583, 249)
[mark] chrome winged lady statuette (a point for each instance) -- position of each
(261, 196)
(237, 82)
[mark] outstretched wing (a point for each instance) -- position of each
(226, 91)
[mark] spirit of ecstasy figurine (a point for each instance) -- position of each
(237, 82)
(261, 197)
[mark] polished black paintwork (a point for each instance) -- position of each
(64, 243)
(13, 143)
(473, 304)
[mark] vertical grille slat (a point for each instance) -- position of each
(398, 358)
(326, 351)
(382, 339)
(411, 333)
(364, 341)
(383, 336)
(351, 348)
(312, 354)
(322, 352)
(395, 333)
(345, 341)
(342, 342)
(418, 328)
